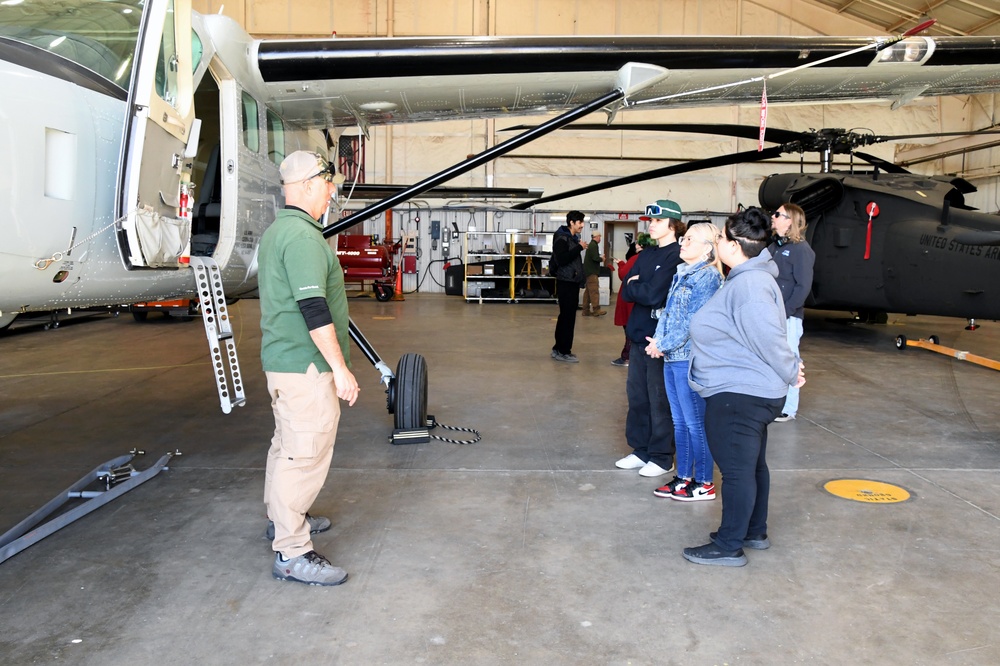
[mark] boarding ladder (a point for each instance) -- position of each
(219, 331)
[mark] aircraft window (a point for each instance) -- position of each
(251, 126)
(913, 49)
(96, 34)
(275, 137)
(197, 51)
(166, 66)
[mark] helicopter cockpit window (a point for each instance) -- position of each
(251, 125)
(95, 34)
(911, 50)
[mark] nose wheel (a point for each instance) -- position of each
(406, 400)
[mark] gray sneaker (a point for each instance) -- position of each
(566, 358)
(317, 524)
(310, 568)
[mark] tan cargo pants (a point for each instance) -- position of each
(306, 414)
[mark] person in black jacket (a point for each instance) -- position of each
(567, 249)
(649, 428)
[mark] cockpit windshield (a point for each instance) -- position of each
(100, 35)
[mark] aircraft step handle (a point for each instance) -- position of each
(219, 332)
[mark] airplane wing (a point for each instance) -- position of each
(375, 81)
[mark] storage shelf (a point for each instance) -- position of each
(514, 263)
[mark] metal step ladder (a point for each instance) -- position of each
(219, 331)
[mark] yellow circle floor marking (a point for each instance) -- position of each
(863, 490)
(383, 318)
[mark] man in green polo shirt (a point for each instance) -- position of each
(304, 351)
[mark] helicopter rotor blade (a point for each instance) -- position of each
(673, 170)
(885, 165)
(774, 135)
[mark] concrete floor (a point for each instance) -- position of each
(526, 548)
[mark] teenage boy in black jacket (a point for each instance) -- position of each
(649, 428)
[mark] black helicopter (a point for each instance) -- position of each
(886, 240)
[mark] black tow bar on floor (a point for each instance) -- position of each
(116, 475)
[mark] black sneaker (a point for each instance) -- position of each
(670, 488)
(713, 555)
(310, 568)
(755, 542)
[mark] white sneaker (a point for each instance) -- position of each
(652, 469)
(631, 461)
(785, 417)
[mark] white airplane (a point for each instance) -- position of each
(141, 139)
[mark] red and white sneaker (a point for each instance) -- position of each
(694, 492)
(669, 489)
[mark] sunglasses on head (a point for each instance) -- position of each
(327, 174)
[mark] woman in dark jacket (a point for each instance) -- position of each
(795, 260)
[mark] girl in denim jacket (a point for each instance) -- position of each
(697, 279)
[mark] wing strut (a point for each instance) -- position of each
(632, 78)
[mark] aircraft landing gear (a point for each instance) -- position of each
(871, 317)
(406, 399)
(972, 325)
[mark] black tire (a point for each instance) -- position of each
(384, 292)
(900, 342)
(410, 393)
(139, 315)
(934, 340)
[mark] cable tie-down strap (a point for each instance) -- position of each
(432, 423)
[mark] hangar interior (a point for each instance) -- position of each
(567, 159)
(527, 547)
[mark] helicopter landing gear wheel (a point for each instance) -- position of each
(900, 342)
(407, 394)
(384, 292)
(934, 340)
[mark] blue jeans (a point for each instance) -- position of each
(793, 328)
(694, 460)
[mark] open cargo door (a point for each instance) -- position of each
(154, 197)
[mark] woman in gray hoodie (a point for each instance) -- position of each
(742, 365)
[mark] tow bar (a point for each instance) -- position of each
(116, 475)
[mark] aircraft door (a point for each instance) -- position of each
(154, 196)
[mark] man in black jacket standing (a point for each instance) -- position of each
(568, 263)
(649, 428)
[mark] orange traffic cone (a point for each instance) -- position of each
(398, 292)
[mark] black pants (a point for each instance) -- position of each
(568, 295)
(736, 427)
(649, 428)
